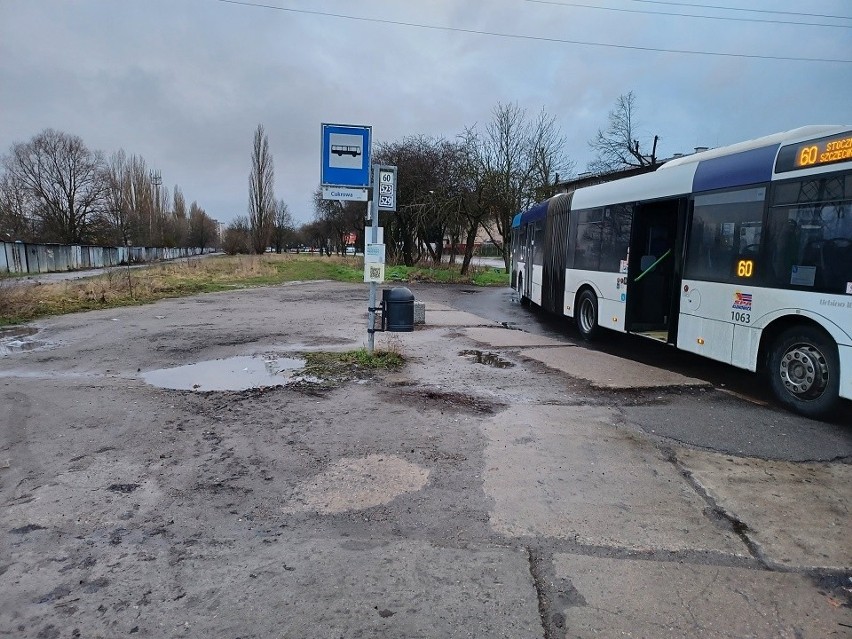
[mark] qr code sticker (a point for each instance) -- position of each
(375, 271)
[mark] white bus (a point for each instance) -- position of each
(742, 254)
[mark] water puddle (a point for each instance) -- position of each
(234, 373)
(15, 339)
(489, 359)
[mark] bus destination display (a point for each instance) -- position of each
(836, 148)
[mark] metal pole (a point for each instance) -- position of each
(373, 207)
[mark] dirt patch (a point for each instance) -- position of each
(433, 399)
(356, 484)
(123, 488)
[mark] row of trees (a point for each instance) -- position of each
(453, 188)
(450, 190)
(53, 188)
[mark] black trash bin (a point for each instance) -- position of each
(397, 310)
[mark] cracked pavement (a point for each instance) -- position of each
(559, 494)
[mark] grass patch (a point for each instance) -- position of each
(127, 287)
(447, 274)
(324, 370)
(490, 277)
(324, 364)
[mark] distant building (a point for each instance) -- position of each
(590, 179)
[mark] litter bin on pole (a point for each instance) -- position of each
(397, 310)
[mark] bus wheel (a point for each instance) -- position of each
(804, 371)
(587, 315)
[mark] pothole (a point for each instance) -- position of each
(488, 359)
(15, 339)
(231, 374)
(435, 399)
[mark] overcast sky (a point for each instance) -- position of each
(184, 83)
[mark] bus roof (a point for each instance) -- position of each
(536, 212)
(648, 186)
(776, 139)
(741, 164)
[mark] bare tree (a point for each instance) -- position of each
(332, 223)
(54, 189)
(131, 199)
(618, 147)
(15, 210)
(425, 196)
(140, 195)
(237, 236)
(261, 195)
(202, 230)
(317, 234)
(548, 159)
(481, 185)
(507, 157)
(178, 224)
(65, 178)
(284, 230)
(520, 161)
(119, 211)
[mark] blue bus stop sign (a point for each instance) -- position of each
(345, 155)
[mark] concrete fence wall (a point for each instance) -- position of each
(18, 257)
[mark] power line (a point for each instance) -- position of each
(516, 36)
(690, 15)
(715, 6)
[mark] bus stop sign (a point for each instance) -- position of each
(346, 155)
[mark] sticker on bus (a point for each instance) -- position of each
(742, 301)
(803, 275)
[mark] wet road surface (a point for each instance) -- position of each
(457, 497)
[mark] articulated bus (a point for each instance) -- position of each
(742, 254)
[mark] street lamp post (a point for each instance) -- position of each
(156, 181)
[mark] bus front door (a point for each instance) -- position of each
(654, 269)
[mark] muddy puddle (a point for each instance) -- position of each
(15, 339)
(488, 359)
(232, 374)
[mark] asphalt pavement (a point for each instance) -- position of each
(508, 481)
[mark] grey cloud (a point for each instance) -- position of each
(184, 84)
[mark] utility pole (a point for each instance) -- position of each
(156, 181)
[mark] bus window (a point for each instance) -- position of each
(724, 241)
(538, 238)
(587, 255)
(519, 237)
(810, 226)
(616, 236)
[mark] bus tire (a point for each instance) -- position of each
(804, 371)
(587, 315)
